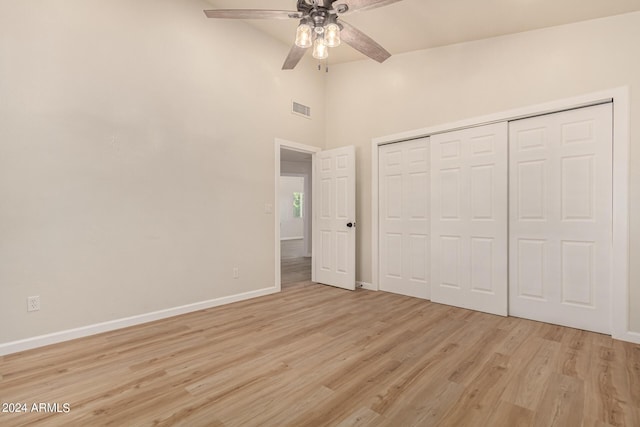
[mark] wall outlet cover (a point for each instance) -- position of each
(33, 303)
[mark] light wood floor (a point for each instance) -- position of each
(315, 355)
(294, 270)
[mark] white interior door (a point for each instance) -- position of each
(404, 210)
(561, 218)
(334, 231)
(469, 218)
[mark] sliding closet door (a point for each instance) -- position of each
(469, 218)
(403, 174)
(560, 218)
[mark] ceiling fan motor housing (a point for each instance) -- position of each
(318, 12)
(313, 3)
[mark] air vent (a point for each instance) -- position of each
(301, 110)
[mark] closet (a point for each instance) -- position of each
(507, 218)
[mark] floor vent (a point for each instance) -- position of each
(300, 109)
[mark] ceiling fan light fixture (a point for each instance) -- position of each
(332, 35)
(319, 27)
(304, 37)
(320, 50)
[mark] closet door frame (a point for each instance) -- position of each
(620, 253)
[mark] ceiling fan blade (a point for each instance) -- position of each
(295, 55)
(362, 43)
(252, 14)
(360, 5)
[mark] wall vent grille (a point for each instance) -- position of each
(300, 109)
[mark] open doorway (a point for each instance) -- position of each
(294, 214)
(331, 221)
(295, 232)
(294, 204)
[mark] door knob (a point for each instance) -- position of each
(350, 224)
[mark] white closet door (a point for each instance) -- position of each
(469, 218)
(403, 173)
(560, 218)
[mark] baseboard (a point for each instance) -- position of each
(628, 336)
(365, 285)
(70, 334)
(284, 239)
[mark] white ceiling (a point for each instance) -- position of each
(420, 24)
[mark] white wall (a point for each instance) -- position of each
(290, 226)
(420, 89)
(135, 147)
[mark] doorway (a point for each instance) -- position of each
(294, 159)
(332, 218)
(294, 204)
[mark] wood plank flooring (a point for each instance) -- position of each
(315, 355)
(294, 270)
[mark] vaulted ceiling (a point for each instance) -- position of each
(420, 24)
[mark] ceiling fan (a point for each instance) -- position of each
(321, 27)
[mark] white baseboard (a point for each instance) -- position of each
(365, 285)
(284, 239)
(84, 331)
(628, 336)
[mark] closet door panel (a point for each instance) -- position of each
(404, 210)
(561, 216)
(469, 218)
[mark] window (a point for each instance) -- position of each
(298, 204)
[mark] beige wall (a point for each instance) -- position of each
(420, 89)
(134, 157)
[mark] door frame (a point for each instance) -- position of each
(292, 146)
(620, 253)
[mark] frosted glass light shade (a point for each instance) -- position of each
(332, 35)
(304, 37)
(320, 50)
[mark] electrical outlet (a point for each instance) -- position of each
(33, 303)
(236, 272)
